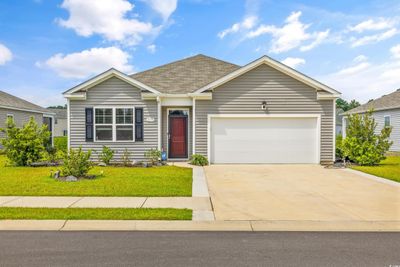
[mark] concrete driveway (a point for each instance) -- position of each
(299, 192)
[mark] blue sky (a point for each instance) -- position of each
(48, 46)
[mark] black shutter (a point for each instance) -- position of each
(138, 124)
(89, 124)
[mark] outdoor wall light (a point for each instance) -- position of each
(264, 105)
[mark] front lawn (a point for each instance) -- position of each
(389, 168)
(94, 214)
(116, 181)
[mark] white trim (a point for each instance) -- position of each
(201, 96)
(334, 131)
(105, 76)
(114, 124)
(326, 96)
(274, 64)
(317, 116)
(76, 96)
(187, 125)
(159, 117)
(176, 101)
(69, 124)
(194, 126)
(52, 127)
(28, 110)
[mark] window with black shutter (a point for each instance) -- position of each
(89, 124)
(138, 124)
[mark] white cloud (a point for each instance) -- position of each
(360, 58)
(293, 62)
(5, 54)
(88, 62)
(373, 25)
(290, 35)
(246, 24)
(319, 38)
(107, 18)
(363, 82)
(355, 42)
(164, 7)
(152, 48)
(395, 50)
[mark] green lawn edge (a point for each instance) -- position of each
(14, 213)
(387, 169)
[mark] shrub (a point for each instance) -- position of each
(153, 155)
(106, 155)
(76, 163)
(125, 157)
(61, 143)
(339, 149)
(361, 144)
(25, 145)
(199, 160)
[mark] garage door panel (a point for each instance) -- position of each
(263, 140)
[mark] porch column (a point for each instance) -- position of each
(159, 118)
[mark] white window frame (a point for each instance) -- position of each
(113, 124)
(384, 121)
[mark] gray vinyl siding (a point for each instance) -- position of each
(113, 93)
(395, 123)
(164, 129)
(20, 118)
(283, 94)
(60, 127)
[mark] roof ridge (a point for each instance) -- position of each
(180, 60)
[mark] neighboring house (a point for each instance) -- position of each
(21, 111)
(60, 121)
(386, 113)
(263, 112)
(339, 118)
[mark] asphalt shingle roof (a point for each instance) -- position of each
(186, 75)
(61, 113)
(390, 101)
(13, 102)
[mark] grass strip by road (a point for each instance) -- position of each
(388, 168)
(12, 213)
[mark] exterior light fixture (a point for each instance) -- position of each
(264, 105)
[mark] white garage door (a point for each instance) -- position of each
(264, 140)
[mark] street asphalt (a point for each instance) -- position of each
(199, 249)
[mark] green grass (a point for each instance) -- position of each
(116, 181)
(94, 214)
(389, 168)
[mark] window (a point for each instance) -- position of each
(103, 124)
(65, 132)
(387, 121)
(113, 124)
(124, 122)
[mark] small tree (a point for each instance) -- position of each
(106, 155)
(125, 157)
(361, 144)
(25, 145)
(76, 163)
(154, 155)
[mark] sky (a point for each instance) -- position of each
(48, 46)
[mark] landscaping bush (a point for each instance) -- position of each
(153, 155)
(76, 163)
(106, 155)
(25, 145)
(61, 143)
(339, 149)
(361, 144)
(125, 158)
(199, 160)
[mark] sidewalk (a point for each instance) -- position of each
(250, 226)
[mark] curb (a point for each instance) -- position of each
(248, 226)
(373, 177)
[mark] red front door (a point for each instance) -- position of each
(178, 137)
